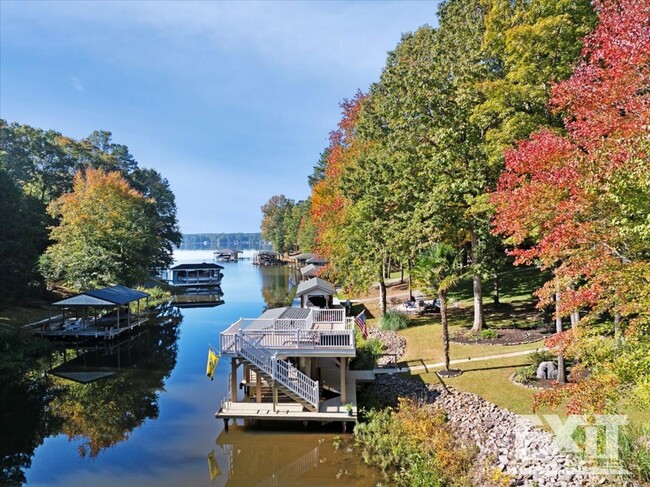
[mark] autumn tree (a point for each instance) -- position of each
(582, 200)
(106, 235)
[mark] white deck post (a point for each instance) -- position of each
(343, 374)
(258, 393)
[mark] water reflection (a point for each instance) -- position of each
(276, 289)
(205, 298)
(101, 413)
(95, 394)
(246, 457)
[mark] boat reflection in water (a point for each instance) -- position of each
(199, 298)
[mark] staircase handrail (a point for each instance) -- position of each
(279, 370)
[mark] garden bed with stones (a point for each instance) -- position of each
(507, 336)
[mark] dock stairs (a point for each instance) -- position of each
(287, 379)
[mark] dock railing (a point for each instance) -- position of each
(279, 370)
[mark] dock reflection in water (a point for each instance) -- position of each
(199, 298)
(266, 458)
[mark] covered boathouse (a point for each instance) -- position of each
(205, 274)
(293, 364)
(97, 313)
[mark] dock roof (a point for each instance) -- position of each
(108, 296)
(308, 271)
(316, 260)
(192, 267)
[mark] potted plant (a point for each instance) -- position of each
(348, 408)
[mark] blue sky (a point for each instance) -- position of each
(231, 101)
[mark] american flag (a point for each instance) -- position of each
(360, 320)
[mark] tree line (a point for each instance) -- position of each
(514, 128)
(79, 212)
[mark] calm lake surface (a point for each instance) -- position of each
(152, 422)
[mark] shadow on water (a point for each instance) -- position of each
(96, 394)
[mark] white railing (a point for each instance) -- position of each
(279, 370)
(290, 339)
(336, 315)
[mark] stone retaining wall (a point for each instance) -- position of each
(505, 440)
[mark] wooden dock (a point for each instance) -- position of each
(328, 410)
(91, 332)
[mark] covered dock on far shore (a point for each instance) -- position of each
(97, 313)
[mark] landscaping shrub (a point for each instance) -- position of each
(414, 446)
(525, 375)
(367, 351)
(393, 321)
(489, 334)
(542, 356)
(634, 451)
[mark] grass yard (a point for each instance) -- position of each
(15, 316)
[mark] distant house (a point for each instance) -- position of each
(266, 257)
(196, 275)
(317, 293)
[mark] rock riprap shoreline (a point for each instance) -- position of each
(394, 345)
(504, 440)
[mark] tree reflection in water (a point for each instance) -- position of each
(99, 414)
(275, 285)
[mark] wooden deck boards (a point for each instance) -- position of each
(91, 332)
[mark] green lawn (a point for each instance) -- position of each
(15, 316)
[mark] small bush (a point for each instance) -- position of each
(542, 356)
(489, 334)
(393, 321)
(367, 351)
(525, 375)
(634, 450)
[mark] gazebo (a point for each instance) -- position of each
(316, 292)
(84, 323)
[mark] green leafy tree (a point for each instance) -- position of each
(106, 234)
(276, 213)
(439, 269)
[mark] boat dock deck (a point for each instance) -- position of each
(328, 410)
(91, 332)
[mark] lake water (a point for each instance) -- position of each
(152, 422)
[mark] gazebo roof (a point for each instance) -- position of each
(315, 283)
(193, 267)
(108, 296)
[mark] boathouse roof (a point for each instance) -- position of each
(108, 296)
(192, 267)
(316, 260)
(313, 284)
(303, 256)
(308, 270)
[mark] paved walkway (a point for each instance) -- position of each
(426, 368)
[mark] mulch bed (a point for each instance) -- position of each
(507, 336)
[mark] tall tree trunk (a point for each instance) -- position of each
(479, 319)
(561, 370)
(401, 277)
(495, 298)
(382, 289)
(445, 329)
(410, 281)
(575, 318)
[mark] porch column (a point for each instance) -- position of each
(233, 379)
(258, 383)
(343, 363)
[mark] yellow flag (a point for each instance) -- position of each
(213, 358)
(215, 471)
